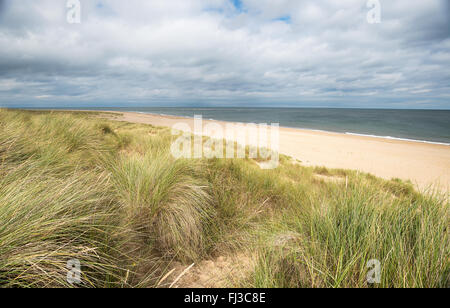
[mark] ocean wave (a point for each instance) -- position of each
(397, 138)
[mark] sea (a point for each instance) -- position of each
(431, 126)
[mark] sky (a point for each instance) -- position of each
(277, 53)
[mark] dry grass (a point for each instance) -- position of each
(75, 186)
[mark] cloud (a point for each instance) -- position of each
(223, 52)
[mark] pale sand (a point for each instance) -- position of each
(422, 163)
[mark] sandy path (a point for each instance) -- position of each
(424, 164)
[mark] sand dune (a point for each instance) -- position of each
(424, 164)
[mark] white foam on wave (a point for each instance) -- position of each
(397, 138)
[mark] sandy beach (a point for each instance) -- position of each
(424, 164)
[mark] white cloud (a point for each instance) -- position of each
(284, 51)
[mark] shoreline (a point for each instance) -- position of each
(426, 165)
(349, 133)
(303, 129)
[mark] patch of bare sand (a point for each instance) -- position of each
(220, 272)
(331, 178)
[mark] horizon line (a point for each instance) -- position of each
(220, 107)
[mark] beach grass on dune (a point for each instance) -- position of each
(75, 185)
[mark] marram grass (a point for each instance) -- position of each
(76, 186)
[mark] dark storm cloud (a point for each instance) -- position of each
(284, 52)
